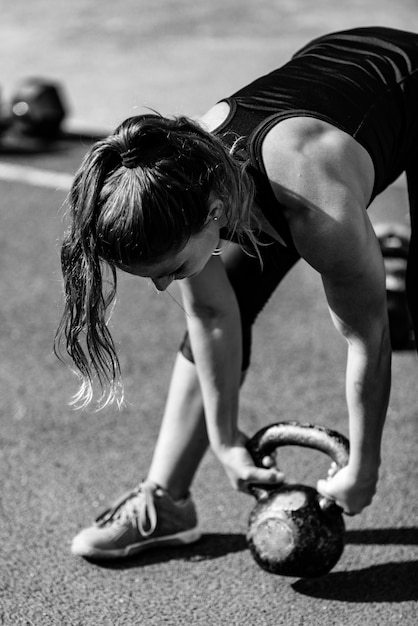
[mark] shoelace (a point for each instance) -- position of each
(137, 506)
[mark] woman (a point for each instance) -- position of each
(284, 169)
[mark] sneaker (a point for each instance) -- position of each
(143, 518)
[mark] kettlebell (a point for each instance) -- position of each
(38, 108)
(293, 530)
(394, 239)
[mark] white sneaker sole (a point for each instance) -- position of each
(179, 539)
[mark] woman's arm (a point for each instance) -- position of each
(358, 309)
(214, 325)
(325, 180)
(353, 275)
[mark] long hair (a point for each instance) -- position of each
(138, 196)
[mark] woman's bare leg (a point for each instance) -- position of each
(183, 439)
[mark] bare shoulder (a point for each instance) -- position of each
(324, 179)
(214, 117)
(307, 155)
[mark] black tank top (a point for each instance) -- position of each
(363, 81)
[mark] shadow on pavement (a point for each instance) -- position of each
(210, 546)
(384, 536)
(389, 582)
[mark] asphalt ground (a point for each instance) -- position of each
(60, 468)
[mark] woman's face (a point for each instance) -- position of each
(184, 264)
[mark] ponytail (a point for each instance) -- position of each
(138, 196)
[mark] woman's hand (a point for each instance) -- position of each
(350, 491)
(241, 470)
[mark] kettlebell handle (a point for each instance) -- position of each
(266, 440)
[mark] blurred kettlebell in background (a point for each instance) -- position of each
(293, 530)
(38, 107)
(394, 238)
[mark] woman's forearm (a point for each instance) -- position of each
(217, 350)
(368, 388)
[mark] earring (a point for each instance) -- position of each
(218, 250)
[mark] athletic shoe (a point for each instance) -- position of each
(144, 518)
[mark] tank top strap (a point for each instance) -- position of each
(244, 129)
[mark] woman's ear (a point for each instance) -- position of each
(216, 208)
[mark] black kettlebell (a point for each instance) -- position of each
(394, 239)
(38, 108)
(293, 530)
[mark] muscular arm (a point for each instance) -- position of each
(358, 309)
(355, 290)
(326, 189)
(213, 320)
